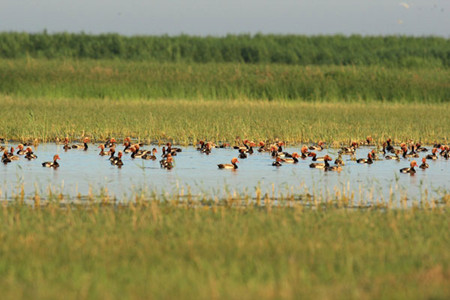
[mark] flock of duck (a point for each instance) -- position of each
(246, 148)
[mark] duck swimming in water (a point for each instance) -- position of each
(318, 147)
(21, 151)
(117, 161)
(83, 146)
(367, 160)
(291, 160)
(30, 155)
(150, 155)
(102, 150)
(277, 162)
(231, 166)
(12, 156)
(433, 155)
(167, 163)
(52, 164)
(323, 165)
(424, 164)
(5, 158)
(411, 169)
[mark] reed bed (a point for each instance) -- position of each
(118, 79)
(399, 51)
(186, 122)
(167, 248)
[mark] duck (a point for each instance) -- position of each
(336, 168)
(433, 155)
(315, 158)
(112, 142)
(111, 153)
(206, 149)
(318, 147)
(242, 154)
(367, 160)
(446, 154)
(274, 151)
(21, 151)
(66, 144)
(200, 146)
(280, 146)
(167, 163)
(262, 147)
(117, 161)
(5, 158)
(305, 152)
(410, 169)
(150, 155)
(375, 155)
(393, 157)
(419, 148)
(52, 164)
(136, 153)
(11, 155)
(369, 141)
(389, 147)
(250, 147)
(127, 147)
(243, 147)
(291, 160)
(323, 165)
(339, 160)
(102, 150)
(30, 155)
(412, 153)
(349, 150)
(444, 150)
(83, 146)
(277, 162)
(424, 164)
(232, 166)
(173, 149)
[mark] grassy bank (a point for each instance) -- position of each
(185, 122)
(156, 250)
(121, 79)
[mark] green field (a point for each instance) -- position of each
(186, 122)
(122, 79)
(156, 250)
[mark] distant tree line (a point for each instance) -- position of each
(398, 51)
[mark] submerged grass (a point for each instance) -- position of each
(116, 79)
(155, 249)
(185, 122)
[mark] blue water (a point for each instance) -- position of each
(84, 172)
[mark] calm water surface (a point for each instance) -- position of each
(82, 171)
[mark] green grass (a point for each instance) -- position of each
(398, 51)
(155, 250)
(185, 122)
(121, 79)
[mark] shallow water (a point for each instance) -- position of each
(82, 171)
